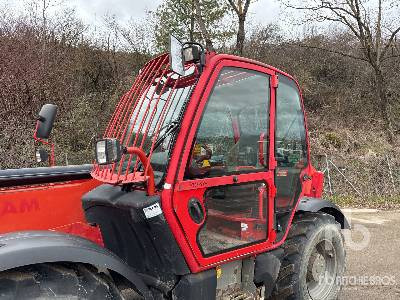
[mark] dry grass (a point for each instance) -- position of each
(385, 203)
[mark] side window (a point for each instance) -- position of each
(291, 146)
(235, 118)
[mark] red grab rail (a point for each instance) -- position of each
(148, 171)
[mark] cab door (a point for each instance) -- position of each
(225, 198)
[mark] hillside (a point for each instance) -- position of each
(86, 78)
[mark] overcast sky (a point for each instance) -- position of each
(92, 11)
(263, 11)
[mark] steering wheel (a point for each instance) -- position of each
(202, 158)
(197, 166)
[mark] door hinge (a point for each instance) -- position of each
(275, 81)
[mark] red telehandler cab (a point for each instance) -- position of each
(202, 189)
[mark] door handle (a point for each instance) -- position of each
(196, 212)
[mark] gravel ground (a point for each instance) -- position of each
(373, 255)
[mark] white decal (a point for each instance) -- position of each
(152, 211)
(245, 226)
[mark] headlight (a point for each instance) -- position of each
(108, 151)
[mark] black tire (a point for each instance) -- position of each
(314, 249)
(57, 281)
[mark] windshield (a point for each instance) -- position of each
(154, 121)
(146, 120)
(164, 139)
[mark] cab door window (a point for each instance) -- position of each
(236, 115)
(291, 146)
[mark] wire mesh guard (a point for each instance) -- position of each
(145, 118)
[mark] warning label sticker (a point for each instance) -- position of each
(152, 211)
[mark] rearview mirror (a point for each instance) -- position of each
(176, 56)
(46, 119)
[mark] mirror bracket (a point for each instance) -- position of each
(44, 125)
(52, 160)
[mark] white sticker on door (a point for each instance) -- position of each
(152, 211)
(244, 226)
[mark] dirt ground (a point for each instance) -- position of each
(373, 255)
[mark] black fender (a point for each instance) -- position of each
(310, 204)
(35, 247)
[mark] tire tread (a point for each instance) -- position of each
(57, 280)
(303, 226)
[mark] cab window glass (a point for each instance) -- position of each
(235, 118)
(291, 147)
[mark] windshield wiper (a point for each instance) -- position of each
(171, 127)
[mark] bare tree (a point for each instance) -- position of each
(203, 28)
(240, 7)
(376, 38)
(136, 34)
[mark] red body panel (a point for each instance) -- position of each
(52, 206)
(84, 230)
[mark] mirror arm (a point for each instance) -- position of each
(41, 119)
(52, 160)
